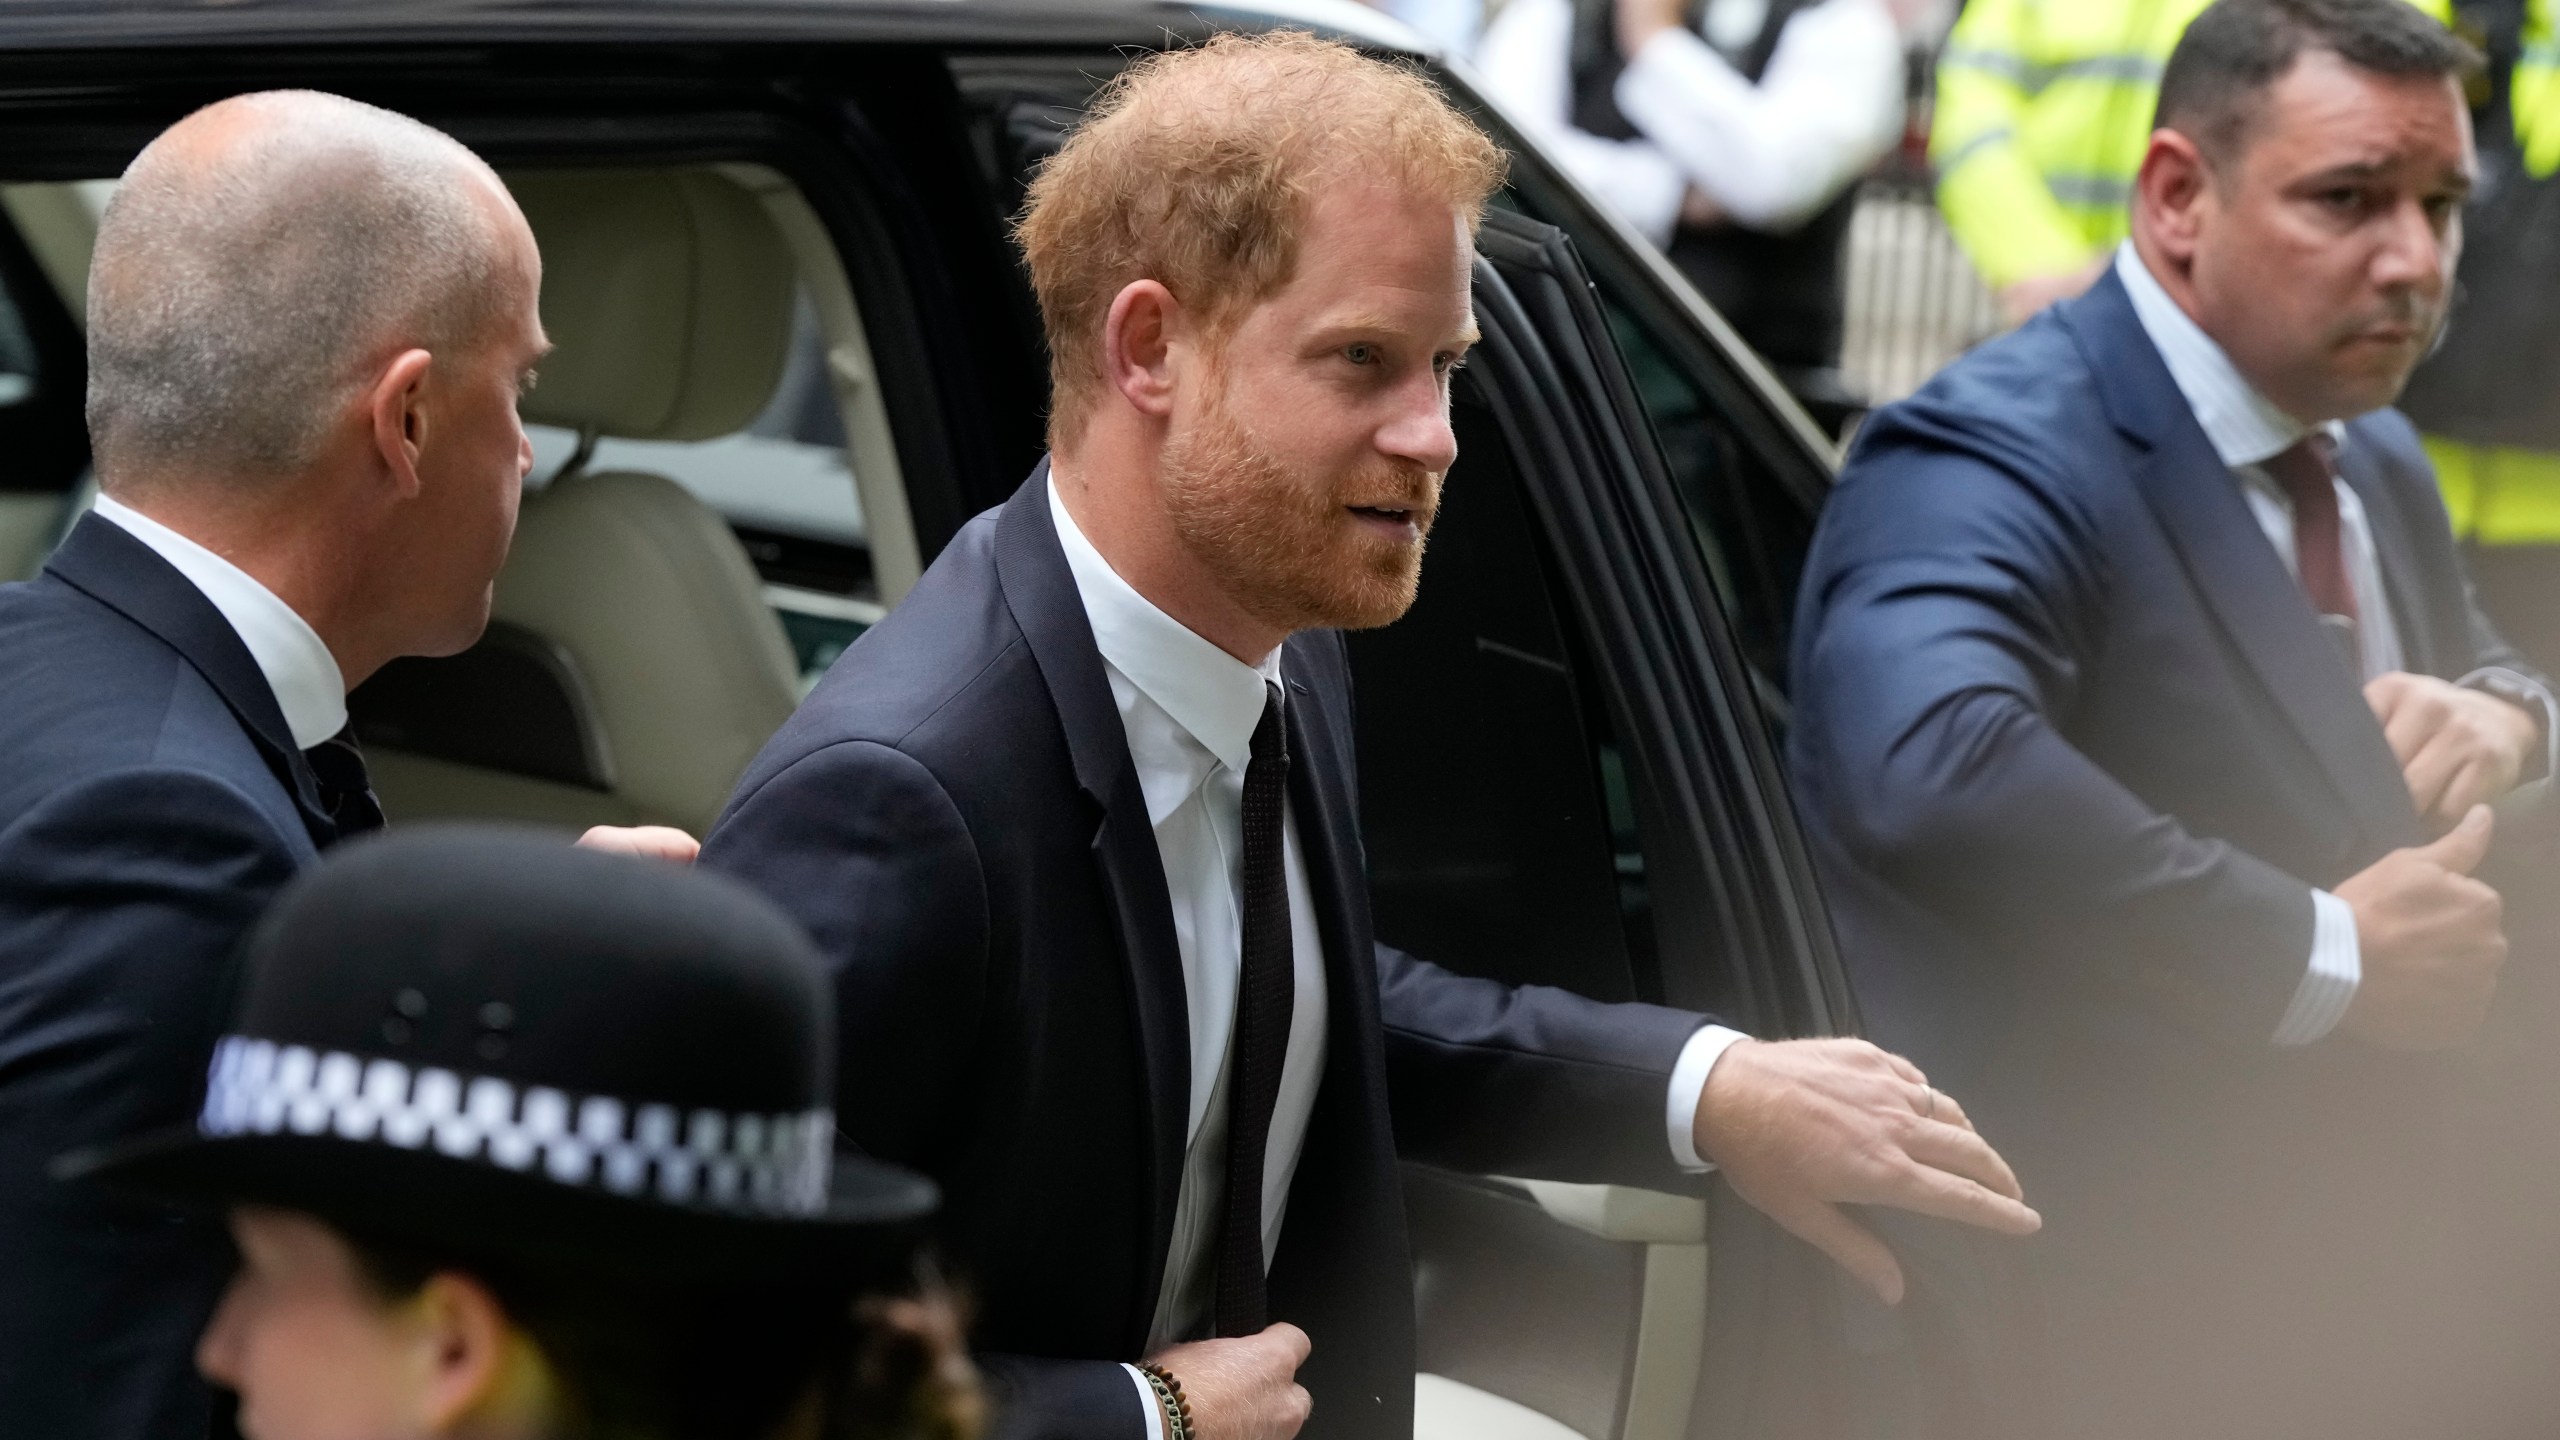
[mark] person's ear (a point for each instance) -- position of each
(1139, 337)
(396, 404)
(2172, 194)
(473, 1365)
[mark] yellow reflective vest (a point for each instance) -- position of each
(2043, 113)
(2535, 96)
(2498, 495)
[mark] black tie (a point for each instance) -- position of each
(1266, 991)
(345, 792)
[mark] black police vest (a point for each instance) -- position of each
(1784, 293)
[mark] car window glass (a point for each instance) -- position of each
(1500, 832)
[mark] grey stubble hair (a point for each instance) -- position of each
(235, 308)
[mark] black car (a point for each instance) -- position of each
(796, 352)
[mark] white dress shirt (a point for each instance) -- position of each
(1828, 106)
(2246, 430)
(1190, 709)
(308, 685)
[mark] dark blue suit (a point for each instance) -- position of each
(2073, 749)
(955, 816)
(151, 800)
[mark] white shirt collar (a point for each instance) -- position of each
(1215, 698)
(308, 685)
(2245, 427)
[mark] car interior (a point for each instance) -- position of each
(715, 511)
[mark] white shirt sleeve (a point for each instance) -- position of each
(1827, 108)
(2329, 984)
(1688, 1085)
(1526, 62)
(1147, 1403)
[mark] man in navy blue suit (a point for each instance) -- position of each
(2146, 732)
(309, 321)
(1077, 824)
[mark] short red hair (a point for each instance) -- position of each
(1194, 169)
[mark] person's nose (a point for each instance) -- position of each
(2416, 254)
(1419, 433)
(218, 1349)
(524, 455)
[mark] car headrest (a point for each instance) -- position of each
(667, 294)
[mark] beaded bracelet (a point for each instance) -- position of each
(1177, 1406)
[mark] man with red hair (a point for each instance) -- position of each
(1076, 825)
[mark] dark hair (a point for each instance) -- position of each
(643, 1359)
(2223, 66)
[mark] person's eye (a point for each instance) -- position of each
(1362, 353)
(1448, 364)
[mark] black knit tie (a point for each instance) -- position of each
(1266, 991)
(346, 793)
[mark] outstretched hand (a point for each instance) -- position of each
(1802, 1127)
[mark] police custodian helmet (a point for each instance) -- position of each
(485, 1038)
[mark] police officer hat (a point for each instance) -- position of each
(484, 1039)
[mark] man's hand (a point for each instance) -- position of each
(650, 842)
(1640, 20)
(2428, 938)
(1804, 1126)
(2022, 299)
(1244, 1389)
(2457, 747)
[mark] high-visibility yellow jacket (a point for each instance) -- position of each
(2495, 494)
(2044, 111)
(2536, 93)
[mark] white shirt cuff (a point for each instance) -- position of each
(1147, 1403)
(2337, 967)
(1688, 1085)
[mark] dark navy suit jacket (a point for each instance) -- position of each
(2073, 750)
(955, 816)
(151, 800)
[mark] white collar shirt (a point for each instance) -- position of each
(1189, 709)
(308, 686)
(2247, 430)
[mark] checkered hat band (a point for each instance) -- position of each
(752, 1164)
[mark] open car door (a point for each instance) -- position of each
(1567, 779)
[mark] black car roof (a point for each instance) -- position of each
(86, 24)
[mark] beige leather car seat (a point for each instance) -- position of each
(632, 651)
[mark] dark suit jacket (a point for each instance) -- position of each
(2073, 750)
(151, 800)
(955, 816)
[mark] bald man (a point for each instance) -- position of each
(309, 321)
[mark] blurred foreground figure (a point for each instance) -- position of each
(1732, 134)
(1076, 826)
(2043, 115)
(308, 323)
(2146, 731)
(470, 1201)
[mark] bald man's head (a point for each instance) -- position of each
(262, 260)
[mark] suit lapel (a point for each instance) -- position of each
(100, 559)
(2239, 575)
(1040, 591)
(2361, 467)
(1328, 835)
